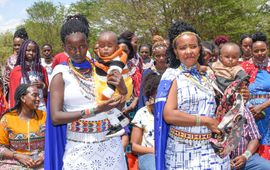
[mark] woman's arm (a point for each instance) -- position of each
(57, 98)
(125, 140)
(176, 117)
(136, 141)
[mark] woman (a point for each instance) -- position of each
(22, 131)
(259, 70)
(159, 55)
(142, 136)
(82, 144)
(145, 51)
(185, 106)
(28, 70)
(245, 44)
(19, 36)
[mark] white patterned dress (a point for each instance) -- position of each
(195, 98)
(85, 150)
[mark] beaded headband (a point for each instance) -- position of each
(184, 33)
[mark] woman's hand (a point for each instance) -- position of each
(238, 162)
(39, 161)
(245, 93)
(109, 104)
(257, 111)
(211, 124)
(131, 106)
(116, 79)
(25, 160)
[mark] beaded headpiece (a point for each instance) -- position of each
(184, 33)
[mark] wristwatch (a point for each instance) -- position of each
(247, 154)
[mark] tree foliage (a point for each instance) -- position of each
(44, 23)
(146, 18)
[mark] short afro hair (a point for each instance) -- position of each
(259, 36)
(150, 84)
(244, 36)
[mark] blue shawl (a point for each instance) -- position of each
(160, 126)
(55, 141)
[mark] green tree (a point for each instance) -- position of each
(6, 41)
(147, 18)
(44, 23)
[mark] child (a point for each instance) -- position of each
(110, 58)
(229, 78)
(142, 136)
(47, 59)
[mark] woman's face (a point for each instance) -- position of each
(76, 46)
(159, 55)
(31, 99)
(187, 49)
(144, 52)
(206, 58)
(246, 47)
(17, 42)
(30, 53)
(259, 51)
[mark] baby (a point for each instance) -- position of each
(227, 68)
(110, 58)
(230, 77)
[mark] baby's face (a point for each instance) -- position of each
(107, 45)
(229, 56)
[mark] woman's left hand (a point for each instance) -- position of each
(39, 161)
(116, 79)
(257, 111)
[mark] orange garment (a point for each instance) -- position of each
(23, 136)
(119, 53)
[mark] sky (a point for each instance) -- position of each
(13, 12)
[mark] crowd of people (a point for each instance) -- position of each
(180, 103)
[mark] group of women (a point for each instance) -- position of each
(60, 125)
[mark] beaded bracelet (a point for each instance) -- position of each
(198, 120)
(87, 112)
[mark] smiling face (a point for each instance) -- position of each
(259, 51)
(30, 52)
(76, 46)
(187, 49)
(31, 98)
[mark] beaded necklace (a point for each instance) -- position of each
(85, 81)
(199, 79)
